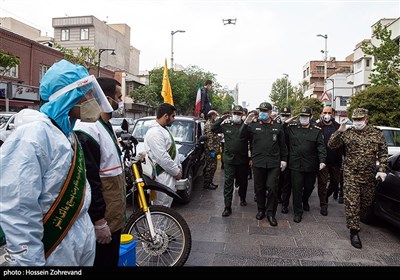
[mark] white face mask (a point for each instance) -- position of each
(359, 125)
(237, 118)
(327, 118)
(90, 111)
(304, 120)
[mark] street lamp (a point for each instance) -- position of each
(325, 57)
(287, 88)
(100, 52)
(172, 46)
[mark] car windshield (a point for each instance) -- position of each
(181, 130)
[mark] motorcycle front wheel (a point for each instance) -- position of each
(173, 241)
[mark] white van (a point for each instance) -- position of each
(392, 136)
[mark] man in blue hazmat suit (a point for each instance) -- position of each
(44, 192)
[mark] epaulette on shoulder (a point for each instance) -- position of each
(292, 124)
(317, 127)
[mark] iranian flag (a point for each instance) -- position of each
(198, 102)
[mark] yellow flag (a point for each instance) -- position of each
(166, 91)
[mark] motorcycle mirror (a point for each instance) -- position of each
(125, 125)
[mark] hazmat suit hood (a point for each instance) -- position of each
(58, 76)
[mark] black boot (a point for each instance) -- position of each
(227, 212)
(355, 239)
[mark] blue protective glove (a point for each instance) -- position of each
(213, 154)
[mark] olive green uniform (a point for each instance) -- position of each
(362, 150)
(268, 149)
(235, 158)
(306, 151)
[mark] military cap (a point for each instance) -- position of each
(238, 109)
(305, 111)
(285, 110)
(359, 113)
(265, 106)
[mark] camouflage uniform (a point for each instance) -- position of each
(362, 149)
(211, 145)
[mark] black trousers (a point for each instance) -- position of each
(302, 186)
(266, 179)
(232, 172)
(107, 255)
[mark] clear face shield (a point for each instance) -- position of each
(91, 89)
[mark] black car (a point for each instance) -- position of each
(188, 135)
(387, 195)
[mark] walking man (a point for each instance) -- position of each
(235, 157)
(364, 145)
(269, 157)
(211, 151)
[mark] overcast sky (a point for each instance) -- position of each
(270, 37)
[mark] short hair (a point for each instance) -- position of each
(108, 85)
(165, 108)
(208, 82)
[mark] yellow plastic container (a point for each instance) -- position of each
(127, 251)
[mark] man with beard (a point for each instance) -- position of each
(161, 149)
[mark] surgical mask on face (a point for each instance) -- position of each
(304, 120)
(263, 116)
(90, 111)
(359, 125)
(327, 118)
(237, 118)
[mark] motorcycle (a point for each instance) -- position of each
(163, 236)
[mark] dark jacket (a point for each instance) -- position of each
(205, 102)
(333, 156)
(306, 146)
(236, 145)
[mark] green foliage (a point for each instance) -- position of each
(386, 69)
(184, 85)
(382, 102)
(7, 61)
(278, 94)
(86, 56)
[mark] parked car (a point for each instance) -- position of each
(392, 136)
(6, 125)
(387, 195)
(116, 124)
(188, 135)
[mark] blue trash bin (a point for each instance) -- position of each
(127, 251)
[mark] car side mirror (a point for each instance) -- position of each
(202, 139)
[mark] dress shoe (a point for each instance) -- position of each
(324, 211)
(243, 202)
(284, 210)
(340, 200)
(335, 195)
(227, 212)
(272, 221)
(210, 187)
(306, 206)
(260, 215)
(355, 241)
(214, 185)
(297, 219)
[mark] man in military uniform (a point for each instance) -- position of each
(284, 188)
(211, 150)
(307, 155)
(363, 145)
(235, 156)
(269, 156)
